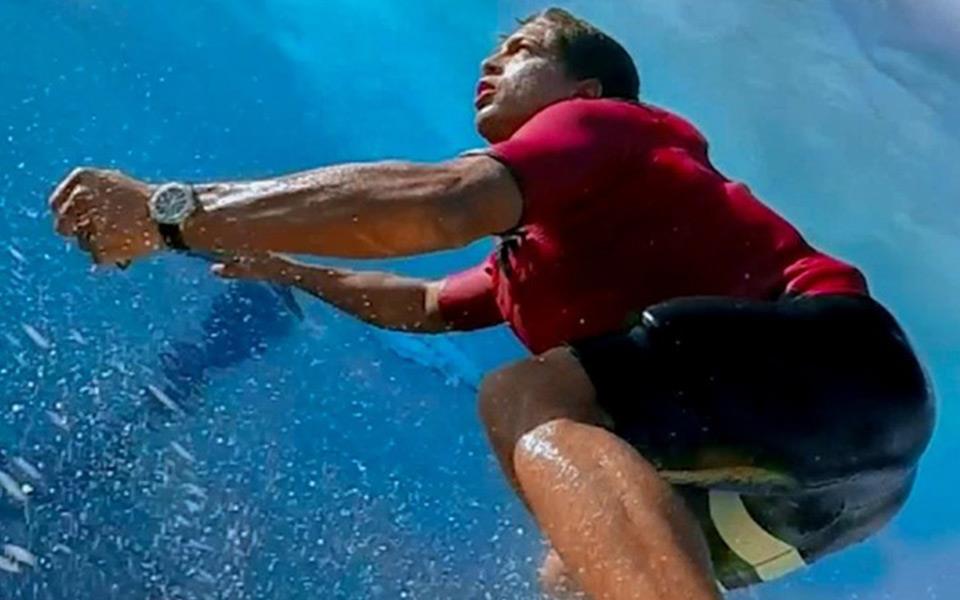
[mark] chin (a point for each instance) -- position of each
(491, 126)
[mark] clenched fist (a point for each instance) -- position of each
(108, 213)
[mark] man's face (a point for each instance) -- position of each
(518, 79)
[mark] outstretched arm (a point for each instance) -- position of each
(368, 210)
(382, 299)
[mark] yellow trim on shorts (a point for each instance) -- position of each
(730, 476)
(770, 557)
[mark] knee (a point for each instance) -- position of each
(494, 395)
(547, 442)
(505, 392)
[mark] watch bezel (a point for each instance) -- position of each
(158, 215)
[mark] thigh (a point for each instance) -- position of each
(791, 428)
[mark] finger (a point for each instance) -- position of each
(74, 210)
(102, 255)
(223, 270)
(237, 267)
(63, 190)
(110, 249)
(84, 241)
(87, 240)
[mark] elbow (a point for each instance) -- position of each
(461, 219)
(483, 201)
(456, 233)
(448, 223)
(412, 307)
(447, 206)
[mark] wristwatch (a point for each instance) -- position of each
(170, 205)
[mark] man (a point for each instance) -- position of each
(711, 402)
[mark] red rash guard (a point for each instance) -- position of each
(623, 210)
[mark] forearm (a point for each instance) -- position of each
(365, 210)
(382, 299)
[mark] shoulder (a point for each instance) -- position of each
(598, 111)
(677, 129)
(616, 127)
(610, 118)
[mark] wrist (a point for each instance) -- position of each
(207, 194)
(208, 197)
(170, 205)
(171, 237)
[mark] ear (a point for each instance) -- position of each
(589, 88)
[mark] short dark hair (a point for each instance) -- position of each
(589, 53)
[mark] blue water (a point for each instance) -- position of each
(317, 457)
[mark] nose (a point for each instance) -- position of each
(491, 66)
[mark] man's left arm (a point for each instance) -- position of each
(365, 210)
(368, 210)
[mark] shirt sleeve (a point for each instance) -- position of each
(468, 299)
(568, 149)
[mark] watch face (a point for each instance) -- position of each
(172, 204)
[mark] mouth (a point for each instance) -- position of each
(485, 92)
(484, 99)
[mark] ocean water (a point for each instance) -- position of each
(183, 437)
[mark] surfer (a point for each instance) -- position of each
(711, 402)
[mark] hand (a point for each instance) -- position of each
(108, 213)
(265, 267)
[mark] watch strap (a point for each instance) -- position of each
(172, 236)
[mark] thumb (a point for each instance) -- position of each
(229, 269)
(220, 270)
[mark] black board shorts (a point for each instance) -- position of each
(791, 427)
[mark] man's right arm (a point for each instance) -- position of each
(463, 301)
(381, 299)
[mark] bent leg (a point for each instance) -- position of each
(617, 526)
